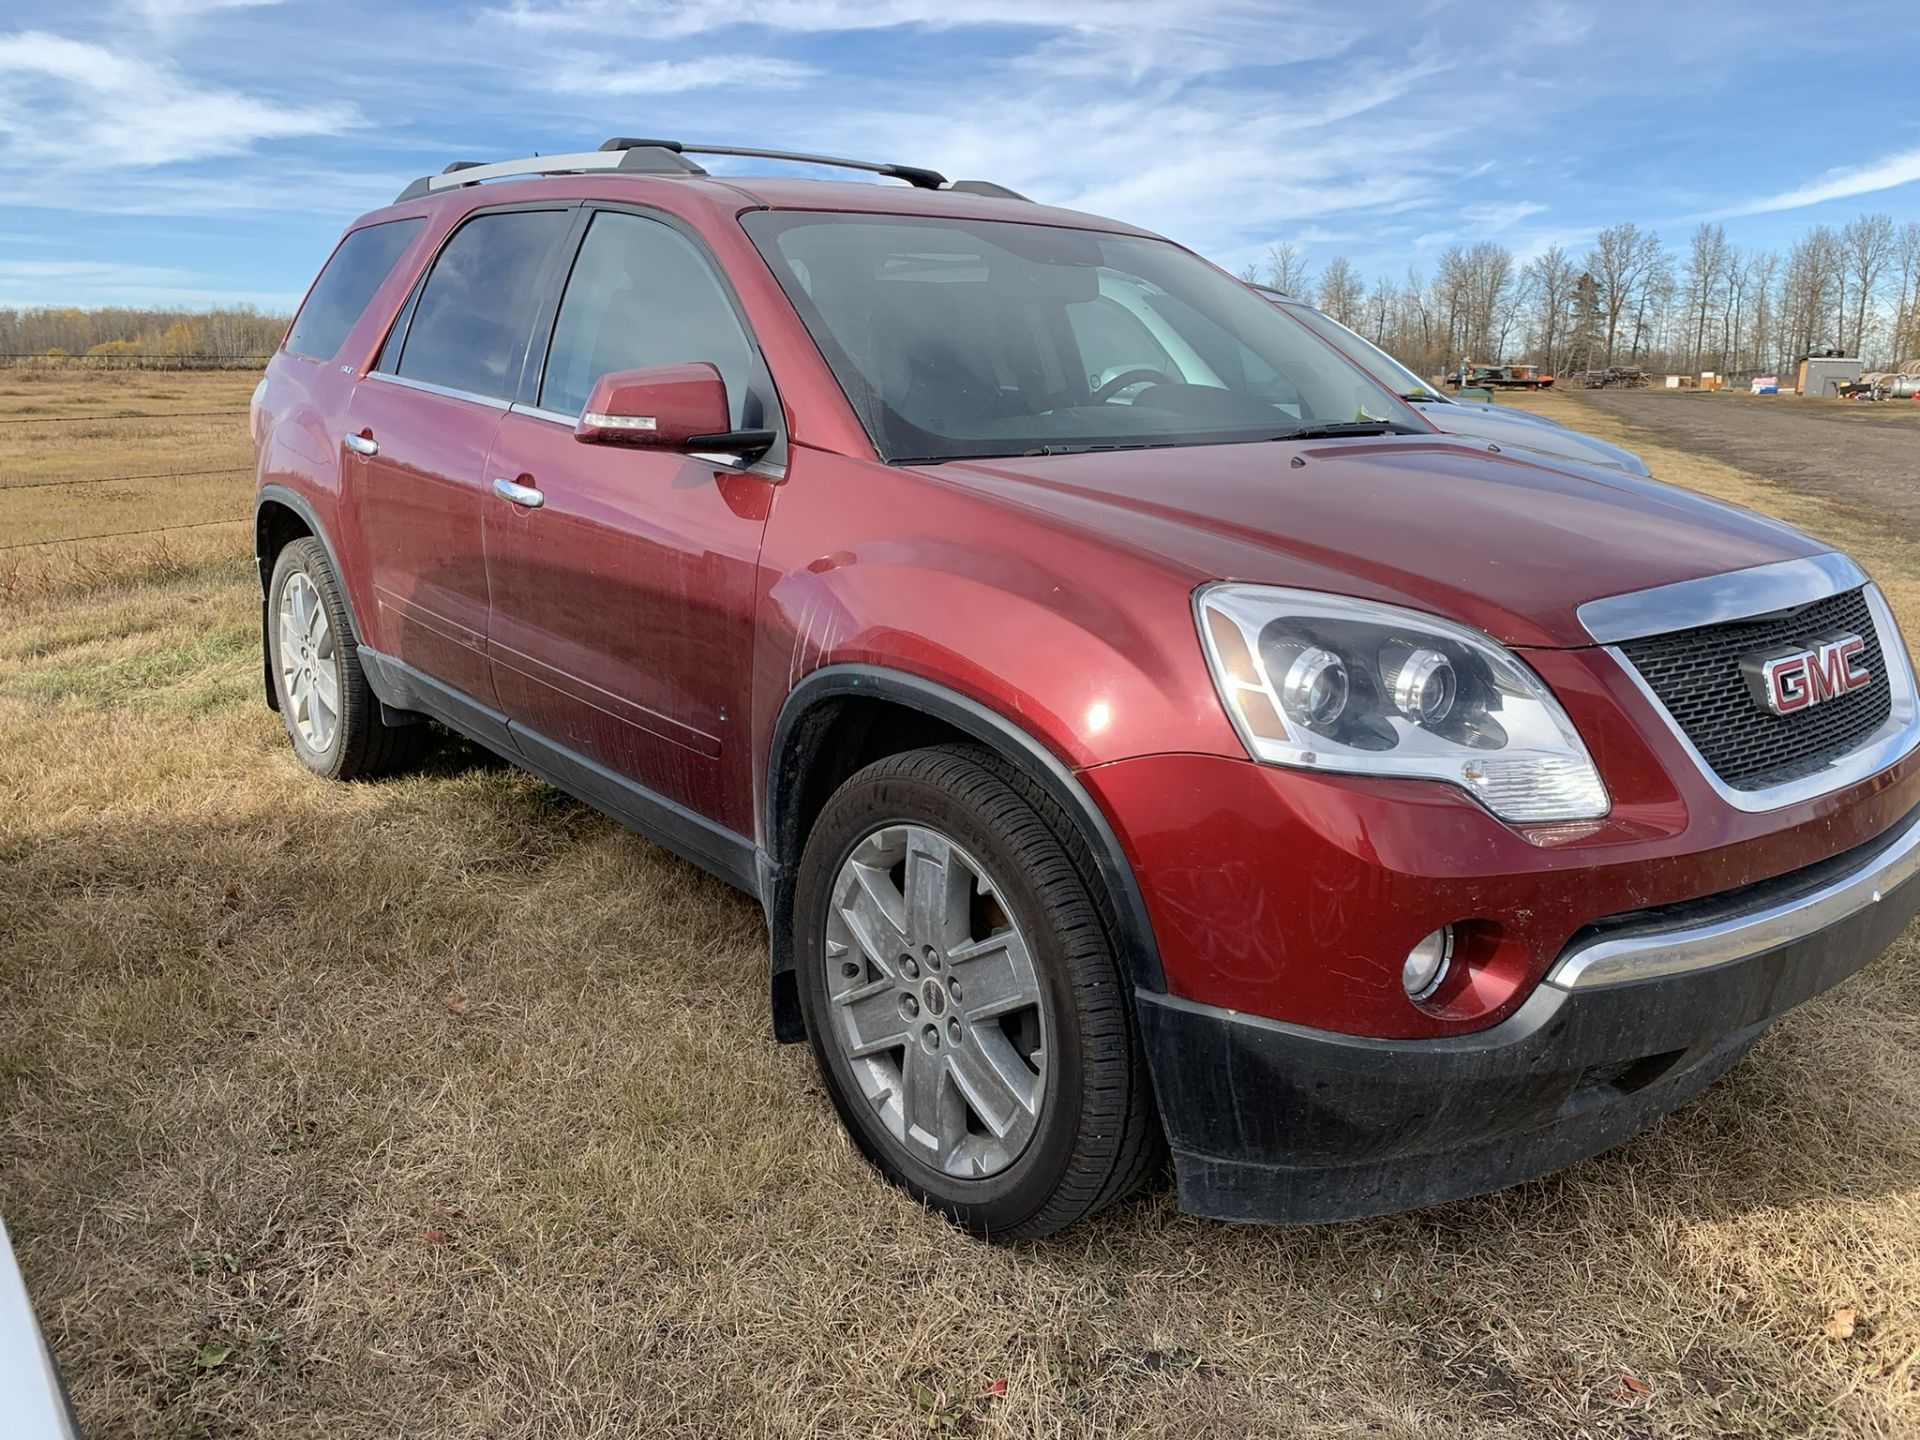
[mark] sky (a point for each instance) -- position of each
(198, 152)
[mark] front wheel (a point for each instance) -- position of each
(963, 998)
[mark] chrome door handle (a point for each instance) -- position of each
(363, 444)
(519, 494)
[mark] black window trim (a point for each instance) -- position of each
(402, 324)
(527, 401)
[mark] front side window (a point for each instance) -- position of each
(641, 294)
(980, 337)
(359, 264)
(474, 318)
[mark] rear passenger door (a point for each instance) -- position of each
(419, 428)
(622, 618)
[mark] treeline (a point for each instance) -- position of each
(1629, 300)
(114, 331)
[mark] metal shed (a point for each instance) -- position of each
(1825, 374)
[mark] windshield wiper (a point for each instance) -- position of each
(1074, 449)
(1346, 428)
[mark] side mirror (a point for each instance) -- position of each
(665, 407)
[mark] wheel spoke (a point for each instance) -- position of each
(327, 678)
(929, 1104)
(994, 1080)
(289, 638)
(937, 890)
(874, 913)
(997, 975)
(873, 1021)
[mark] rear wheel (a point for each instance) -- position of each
(331, 713)
(963, 999)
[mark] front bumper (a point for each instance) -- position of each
(1278, 1122)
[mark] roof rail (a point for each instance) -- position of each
(986, 187)
(632, 156)
(646, 160)
(913, 174)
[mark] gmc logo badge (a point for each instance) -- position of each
(1799, 677)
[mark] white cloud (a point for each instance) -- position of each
(73, 103)
(102, 282)
(670, 77)
(1883, 174)
(164, 12)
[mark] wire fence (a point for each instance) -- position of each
(124, 415)
(125, 479)
(26, 360)
(120, 534)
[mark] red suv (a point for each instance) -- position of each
(1140, 727)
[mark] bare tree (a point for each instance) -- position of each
(1708, 265)
(1809, 293)
(1547, 285)
(1620, 263)
(1287, 269)
(1866, 249)
(1342, 291)
(1906, 312)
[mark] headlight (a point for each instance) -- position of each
(1328, 683)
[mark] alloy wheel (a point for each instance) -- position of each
(309, 664)
(935, 1003)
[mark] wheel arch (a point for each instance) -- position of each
(842, 717)
(281, 516)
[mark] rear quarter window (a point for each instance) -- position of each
(361, 262)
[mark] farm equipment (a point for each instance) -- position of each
(1615, 377)
(1502, 377)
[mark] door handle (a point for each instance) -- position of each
(363, 444)
(519, 494)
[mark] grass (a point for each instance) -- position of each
(443, 1107)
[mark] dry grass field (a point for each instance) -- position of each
(442, 1107)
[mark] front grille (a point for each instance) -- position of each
(1696, 674)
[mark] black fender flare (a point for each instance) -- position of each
(1000, 734)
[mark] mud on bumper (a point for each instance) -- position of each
(1275, 1122)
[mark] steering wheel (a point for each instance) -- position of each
(1139, 375)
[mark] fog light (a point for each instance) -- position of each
(1426, 964)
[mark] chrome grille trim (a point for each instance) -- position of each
(1713, 599)
(1892, 741)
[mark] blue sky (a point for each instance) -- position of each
(207, 151)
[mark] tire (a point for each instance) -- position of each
(1012, 1124)
(347, 740)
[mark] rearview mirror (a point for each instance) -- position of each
(665, 407)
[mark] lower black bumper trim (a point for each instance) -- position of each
(1277, 1122)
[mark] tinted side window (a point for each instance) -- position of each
(475, 315)
(363, 260)
(641, 294)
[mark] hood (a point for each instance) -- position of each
(1453, 403)
(1533, 432)
(1508, 544)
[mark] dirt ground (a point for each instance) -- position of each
(443, 1107)
(1864, 458)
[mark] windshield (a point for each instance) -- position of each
(977, 337)
(1363, 352)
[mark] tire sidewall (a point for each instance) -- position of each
(999, 1202)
